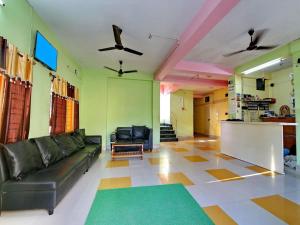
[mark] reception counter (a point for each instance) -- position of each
(259, 143)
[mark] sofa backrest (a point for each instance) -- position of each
(140, 132)
(49, 150)
(124, 133)
(22, 157)
(66, 144)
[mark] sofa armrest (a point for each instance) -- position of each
(93, 139)
(150, 138)
(113, 137)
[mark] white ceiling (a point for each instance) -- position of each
(85, 26)
(280, 17)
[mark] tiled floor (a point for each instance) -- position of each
(248, 196)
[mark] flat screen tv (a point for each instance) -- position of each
(44, 52)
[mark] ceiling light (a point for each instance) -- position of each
(2, 3)
(263, 66)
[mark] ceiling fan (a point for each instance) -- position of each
(117, 34)
(120, 71)
(254, 43)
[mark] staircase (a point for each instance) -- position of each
(167, 134)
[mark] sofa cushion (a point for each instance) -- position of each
(78, 140)
(66, 144)
(49, 150)
(124, 133)
(138, 132)
(22, 157)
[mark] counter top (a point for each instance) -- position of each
(261, 123)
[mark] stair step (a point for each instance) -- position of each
(168, 136)
(166, 125)
(168, 139)
(166, 128)
(167, 132)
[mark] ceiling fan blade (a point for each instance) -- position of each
(266, 47)
(132, 51)
(130, 71)
(107, 49)
(258, 36)
(117, 34)
(234, 53)
(111, 69)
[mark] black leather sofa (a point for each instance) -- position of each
(134, 134)
(37, 173)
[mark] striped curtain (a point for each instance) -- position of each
(58, 106)
(16, 107)
(65, 107)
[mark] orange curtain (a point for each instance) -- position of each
(70, 116)
(3, 90)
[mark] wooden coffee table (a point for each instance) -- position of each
(127, 150)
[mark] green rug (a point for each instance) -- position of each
(153, 205)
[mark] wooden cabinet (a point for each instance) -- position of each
(289, 132)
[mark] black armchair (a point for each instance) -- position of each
(134, 134)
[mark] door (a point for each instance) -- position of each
(206, 119)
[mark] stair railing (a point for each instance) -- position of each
(174, 122)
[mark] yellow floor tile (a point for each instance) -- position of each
(223, 156)
(261, 170)
(173, 178)
(224, 175)
(180, 150)
(218, 216)
(158, 161)
(117, 163)
(280, 207)
(118, 182)
(195, 158)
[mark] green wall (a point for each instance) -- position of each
(289, 50)
(108, 101)
(18, 23)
